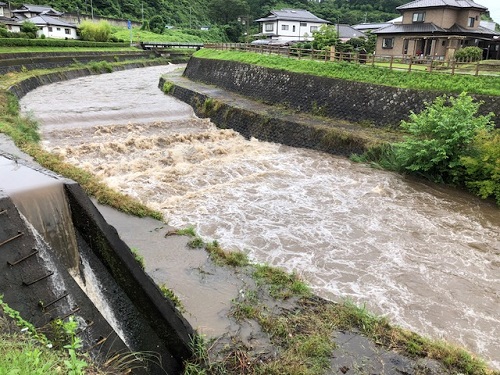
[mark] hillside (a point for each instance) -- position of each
(196, 13)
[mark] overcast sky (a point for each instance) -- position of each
(493, 6)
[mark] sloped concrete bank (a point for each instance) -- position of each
(359, 102)
(118, 306)
(273, 124)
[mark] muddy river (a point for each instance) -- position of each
(426, 256)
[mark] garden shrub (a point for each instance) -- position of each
(469, 54)
(439, 137)
(482, 165)
(95, 32)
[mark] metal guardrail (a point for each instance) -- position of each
(401, 63)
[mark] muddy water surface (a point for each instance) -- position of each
(426, 256)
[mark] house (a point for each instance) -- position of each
(290, 25)
(30, 11)
(346, 32)
(437, 28)
(54, 28)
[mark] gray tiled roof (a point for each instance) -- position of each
(346, 31)
(39, 9)
(46, 20)
(292, 15)
(410, 28)
(430, 28)
(441, 3)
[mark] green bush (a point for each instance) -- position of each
(469, 54)
(95, 32)
(439, 137)
(482, 165)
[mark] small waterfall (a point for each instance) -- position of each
(92, 287)
(42, 201)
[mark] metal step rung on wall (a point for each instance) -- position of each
(74, 311)
(27, 283)
(35, 251)
(3, 212)
(19, 234)
(45, 305)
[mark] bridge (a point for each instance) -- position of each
(167, 45)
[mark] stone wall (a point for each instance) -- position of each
(359, 102)
(19, 62)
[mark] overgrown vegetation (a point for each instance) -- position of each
(448, 143)
(359, 72)
(30, 352)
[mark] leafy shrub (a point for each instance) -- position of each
(29, 29)
(469, 54)
(95, 32)
(439, 136)
(482, 165)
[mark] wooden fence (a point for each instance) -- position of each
(401, 63)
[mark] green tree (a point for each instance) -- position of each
(326, 36)
(227, 11)
(439, 137)
(29, 29)
(157, 24)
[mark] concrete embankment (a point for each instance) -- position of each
(358, 102)
(272, 123)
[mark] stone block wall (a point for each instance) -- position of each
(359, 102)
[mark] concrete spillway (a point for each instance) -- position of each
(59, 258)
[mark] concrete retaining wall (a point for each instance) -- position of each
(369, 104)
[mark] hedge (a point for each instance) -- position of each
(20, 42)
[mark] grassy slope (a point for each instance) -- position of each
(356, 72)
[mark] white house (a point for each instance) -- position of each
(54, 28)
(290, 25)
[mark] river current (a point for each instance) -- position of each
(426, 256)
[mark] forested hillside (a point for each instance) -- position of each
(196, 13)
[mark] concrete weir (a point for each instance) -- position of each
(59, 258)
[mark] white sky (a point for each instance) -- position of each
(493, 6)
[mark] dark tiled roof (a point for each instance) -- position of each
(39, 9)
(292, 15)
(456, 29)
(441, 3)
(410, 29)
(46, 20)
(346, 31)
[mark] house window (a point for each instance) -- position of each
(303, 24)
(471, 22)
(50, 29)
(285, 27)
(269, 26)
(58, 29)
(67, 32)
(419, 17)
(388, 43)
(313, 29)
(293, 28)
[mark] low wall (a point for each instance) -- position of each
(22, 88)
(359, 102)
(18, 62)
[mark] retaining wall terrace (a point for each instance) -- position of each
(30, 61)
(359, 102)
(22, 88)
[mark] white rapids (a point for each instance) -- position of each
(428, 257)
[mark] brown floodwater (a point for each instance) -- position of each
(426, 256)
